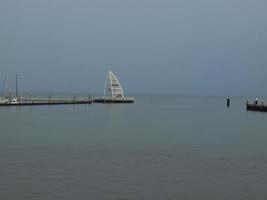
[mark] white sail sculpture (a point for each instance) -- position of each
(113, 87)
(113, 92)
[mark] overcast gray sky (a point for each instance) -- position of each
(153, 46)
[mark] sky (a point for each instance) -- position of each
(169, 47)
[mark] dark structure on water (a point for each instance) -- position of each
(256, 106)
(228, 102)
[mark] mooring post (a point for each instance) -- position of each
(228, 101)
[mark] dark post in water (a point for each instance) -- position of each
(228, 102)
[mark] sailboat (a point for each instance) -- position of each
(6, 95)
(113, 92)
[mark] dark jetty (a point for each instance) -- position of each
(255, 106)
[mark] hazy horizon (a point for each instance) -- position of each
(154, 47)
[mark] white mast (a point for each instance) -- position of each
(5, 87)
(112, 88)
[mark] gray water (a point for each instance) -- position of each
(158, 148)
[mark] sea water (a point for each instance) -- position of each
(160, 147)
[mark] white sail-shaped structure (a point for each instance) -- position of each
(113, 92)
(112, 88)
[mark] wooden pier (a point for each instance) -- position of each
(69, 101)
(260, 107)
(49, 101)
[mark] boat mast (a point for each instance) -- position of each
(7, 87)
(3, 87)
(16, 85)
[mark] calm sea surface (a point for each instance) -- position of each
(158, 148)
